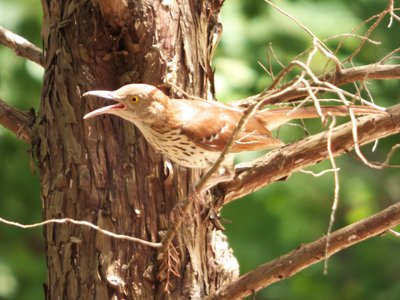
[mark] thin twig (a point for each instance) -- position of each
(391, 153)
(389, 56)
(394, 232)
(357, 146)
(378, 20)
(319, 174)
(83, 223)
(349, 75)
(292, 18)
(335, 202)
(347, 35)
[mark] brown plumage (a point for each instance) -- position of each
(192, 133)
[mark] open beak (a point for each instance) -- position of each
(107, 95)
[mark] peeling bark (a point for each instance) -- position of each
(18, 122)
(102, 170)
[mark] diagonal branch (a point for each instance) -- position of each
(345, 76)
(16, 121)
(309, 254)
(21, 46)
(282, 162)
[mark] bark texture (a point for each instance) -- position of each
(102, 170)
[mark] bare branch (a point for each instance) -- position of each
(16, 121)
(373, 71)
(345, 76)
(21, 46)
(379, 17)
(309, 254)
(280, 163)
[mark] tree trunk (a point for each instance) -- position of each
(102, 170)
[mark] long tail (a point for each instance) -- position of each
(273, 118)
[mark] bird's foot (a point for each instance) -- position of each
(168, 171)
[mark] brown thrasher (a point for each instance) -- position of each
(192, 133)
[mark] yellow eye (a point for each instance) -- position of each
(134, 99)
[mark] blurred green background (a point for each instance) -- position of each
(265, 224)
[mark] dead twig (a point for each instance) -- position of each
(335, 202)
(83, 223)
(346, 76)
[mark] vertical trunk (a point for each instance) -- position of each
(102, 170)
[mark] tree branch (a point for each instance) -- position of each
(16, 121)
(309, 254)
(373, 71)
(345, 76)
(282, 162)
(21, 46)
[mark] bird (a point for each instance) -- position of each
(193, 132)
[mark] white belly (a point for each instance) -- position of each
(181, 150)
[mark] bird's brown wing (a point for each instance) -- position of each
(210, 126)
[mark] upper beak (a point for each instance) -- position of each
(108, 95)
(101, 94)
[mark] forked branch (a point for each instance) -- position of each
(309, 254)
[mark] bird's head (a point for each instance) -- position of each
(134, 102)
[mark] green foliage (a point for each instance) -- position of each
(265, 224)
(284, 215)
(22, 261)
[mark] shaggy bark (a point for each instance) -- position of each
(16, 121)
(102, 170)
